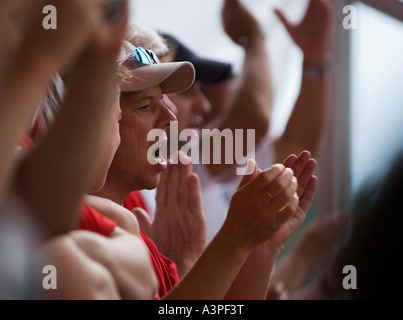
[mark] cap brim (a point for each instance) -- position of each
(170, 77)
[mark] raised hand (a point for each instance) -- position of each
(179, 227)
(87, 107)
(314, 33)
(107, 37)
(76, 22)
(238, 22)
(83, 36)
(303, 167)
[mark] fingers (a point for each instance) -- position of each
(233, 6)
(195, 199)
(162, 189)
(303, 167)
(300, 163)
(80, 25)
(238, 21)
(280, 201)
(250, 167)
(172, 186)
(317, 8)
(177, 184)
(290, 161)
(143, 219)
(287, 212)
(283, 19)
(108, 35)
(185, 170)
(116, 19)
(306, 175)
(75, 22)
(281, 183)
(307, 197)
(266, 177)
(115, 10)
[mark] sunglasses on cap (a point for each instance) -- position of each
(144, 56)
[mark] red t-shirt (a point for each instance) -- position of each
(26, 143)
(165, 268)
(135, 200)
(92, 220)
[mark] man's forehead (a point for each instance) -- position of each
(146, 94)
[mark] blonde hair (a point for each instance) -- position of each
(147, 37)
(123, 73)
(50, 104)
(49, 107)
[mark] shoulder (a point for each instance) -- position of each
(123, 217)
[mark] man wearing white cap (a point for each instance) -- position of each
(143, 110)
(262, 208)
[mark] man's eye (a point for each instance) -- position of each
(184, 93)
(144, 108)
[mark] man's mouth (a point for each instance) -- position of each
(160, 151)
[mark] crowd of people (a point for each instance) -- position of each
(85, 214)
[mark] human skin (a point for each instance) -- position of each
(130, 170)
(49, 52)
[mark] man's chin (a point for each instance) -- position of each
(153, 182)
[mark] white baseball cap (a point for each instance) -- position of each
(147, 72)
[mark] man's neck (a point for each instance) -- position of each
(113, 194)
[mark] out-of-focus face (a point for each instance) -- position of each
(219, 95)
(169, 103)
(192, 106)
(142, 111)
(111, 136)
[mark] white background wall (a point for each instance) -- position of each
(198, 25)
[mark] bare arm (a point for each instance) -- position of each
(313, 35)
(251, 220)
(25, 80)
(95, 281)
(253, 280)
(126, 257)
(314, 247)
(124, 254)
(305, 128)
(123, 217)
(249, 107)
(179, 227)
(75, 141)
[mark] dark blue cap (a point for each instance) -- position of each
(207, 70)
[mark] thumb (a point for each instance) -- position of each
(250, 167)
(283, 19)
(143, 219)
